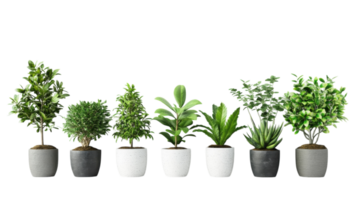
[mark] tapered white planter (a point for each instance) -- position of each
(131, 162)
(220, 161)
(43, 162)
(311, 162)
(176, 162)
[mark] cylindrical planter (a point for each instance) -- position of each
(311, 162)
(43, 162)
(220, 161)
(85, 163)
(264, 163)
(131, 162)
(176, 162)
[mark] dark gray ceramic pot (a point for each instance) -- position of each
(311, 162)
(43, 162)
(264, 163)
(85, 163)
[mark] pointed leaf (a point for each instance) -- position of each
(190, 104)
(164, 101)
(164, 112)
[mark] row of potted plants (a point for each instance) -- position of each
(311, 108)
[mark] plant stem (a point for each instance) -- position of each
(42, 125)
(131, 143)
(176, 130)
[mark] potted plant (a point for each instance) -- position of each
(314, 106)
(132, 124)
(176, 160)
(264, 158)
(220, 157)
(85, 122)
(39, 104)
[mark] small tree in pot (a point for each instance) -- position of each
(314, 106)
(132, 124)
(176, 160)
(39, 104)
(85, 122)
(130, 116)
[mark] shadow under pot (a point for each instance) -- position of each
(43, 162)
(131, 162)
(311, 162)
(220, 161)
(176, 162)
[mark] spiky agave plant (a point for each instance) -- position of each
(264, 136)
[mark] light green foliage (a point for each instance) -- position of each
(39, 102)
(181, 117)
(132, 120)
(220, 130)
(314, 106)
(260, 97)
(264, 136)
(87, 121)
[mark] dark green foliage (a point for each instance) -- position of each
(264, 136)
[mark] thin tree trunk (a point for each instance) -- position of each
(131, 143)
(42, 131)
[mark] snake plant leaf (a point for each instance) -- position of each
(164, 101)
(180, 95)
(164, 112)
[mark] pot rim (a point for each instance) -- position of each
(265, 150)
(175, 149)
(133, 149)
(311, 149)
(85, 151)
(43, 149)
(219, 148)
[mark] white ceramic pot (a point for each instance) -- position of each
(220, 161)
(131, 162)
(43, 162)
(176, 162)
(311, 162)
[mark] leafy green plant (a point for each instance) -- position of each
(260, 97)
(87, 121)
(220, 130)
(314, 106)
(132, 120)
(264, 136)
(181, 118)
(39, 102)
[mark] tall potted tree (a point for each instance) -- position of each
(220, 157)
(264, 158)
(85, 122)
(39, 104)
(314, 106)
(132, 124)
(176, 160)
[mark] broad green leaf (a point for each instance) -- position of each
(231, 126)
(164, 101)
(55, 98)
(189, 114)
(164, 112)
(221, 116)
(190, 104)
(180, 95)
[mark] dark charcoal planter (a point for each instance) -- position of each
(43, 162)
(264, 163)
(85, 163)
(311, 162)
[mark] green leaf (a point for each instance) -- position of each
(165, 121)
(190, 104)
(231, 125)
(221, 115)
(55, 98)
(180, 95)
(189, 114)
(43, 115)
(164, 101)
(164, 112)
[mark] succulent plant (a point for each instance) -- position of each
(264, 135)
